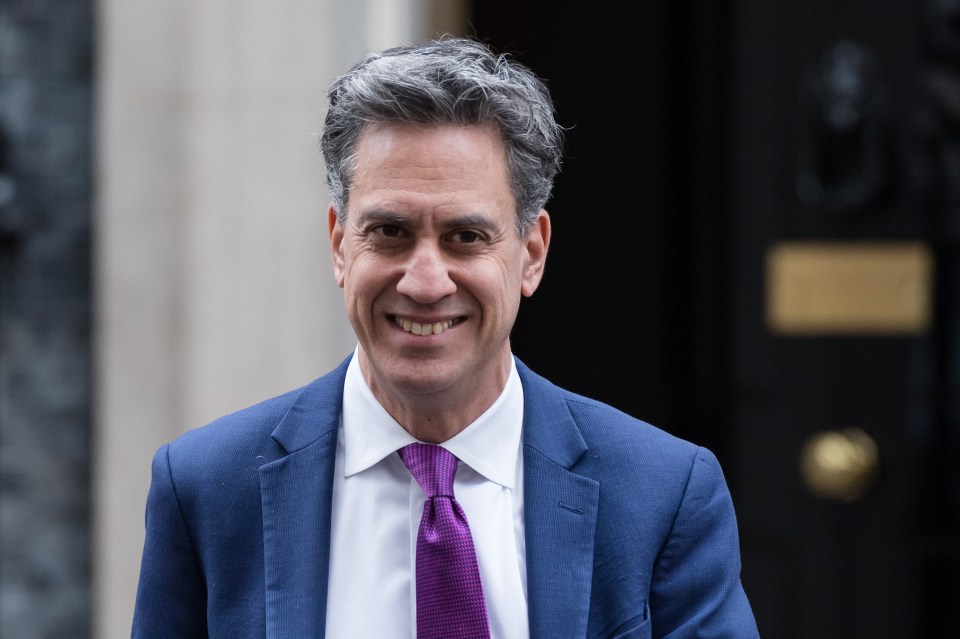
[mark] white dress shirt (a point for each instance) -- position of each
(377, 507)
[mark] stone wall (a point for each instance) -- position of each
(45, 204)
(212, 267)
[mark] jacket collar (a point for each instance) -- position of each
(315, 413)
(560, 513)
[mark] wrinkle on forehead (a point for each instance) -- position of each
(445, 168)
(394, 142)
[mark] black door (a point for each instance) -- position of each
(725, 162)
(841, 133)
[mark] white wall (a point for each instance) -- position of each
(212, 268)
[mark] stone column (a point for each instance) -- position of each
(213, 285)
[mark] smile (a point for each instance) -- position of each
(418, 328)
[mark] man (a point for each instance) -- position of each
(432, 485)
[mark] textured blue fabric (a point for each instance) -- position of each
(630, 532)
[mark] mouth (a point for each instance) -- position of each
(425, 328)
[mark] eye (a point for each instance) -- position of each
(387, 230)
(467, 237)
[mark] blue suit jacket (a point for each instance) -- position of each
(630, 532)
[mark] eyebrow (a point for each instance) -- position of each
(382, 215)
(477, 221)
(470, 220)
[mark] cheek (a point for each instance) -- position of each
(500, 292)
(365, 280)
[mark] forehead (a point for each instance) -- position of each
(425, 157)
(432, 174)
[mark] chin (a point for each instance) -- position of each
(422, 379)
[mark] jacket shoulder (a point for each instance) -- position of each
(605, 431)
(639, 466)
(232, 434)
(249, 438)
(606, 427)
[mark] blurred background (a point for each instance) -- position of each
(757, 243)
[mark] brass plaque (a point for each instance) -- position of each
(849, 288)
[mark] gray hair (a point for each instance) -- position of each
(447, 81)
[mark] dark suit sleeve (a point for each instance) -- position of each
(696, 590)
(171, 597)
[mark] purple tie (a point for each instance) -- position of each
(450, 602)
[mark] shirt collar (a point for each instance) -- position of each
(489, 445)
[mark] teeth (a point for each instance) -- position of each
(423, 329)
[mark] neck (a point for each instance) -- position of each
(434, 416)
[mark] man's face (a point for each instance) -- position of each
(431, 263)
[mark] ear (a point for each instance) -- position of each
(536, 244)
(336, 244)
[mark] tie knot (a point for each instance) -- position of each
(432, 466)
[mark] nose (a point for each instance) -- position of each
(426, 275)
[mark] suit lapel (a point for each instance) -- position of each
(560, 513)
(296, 492)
